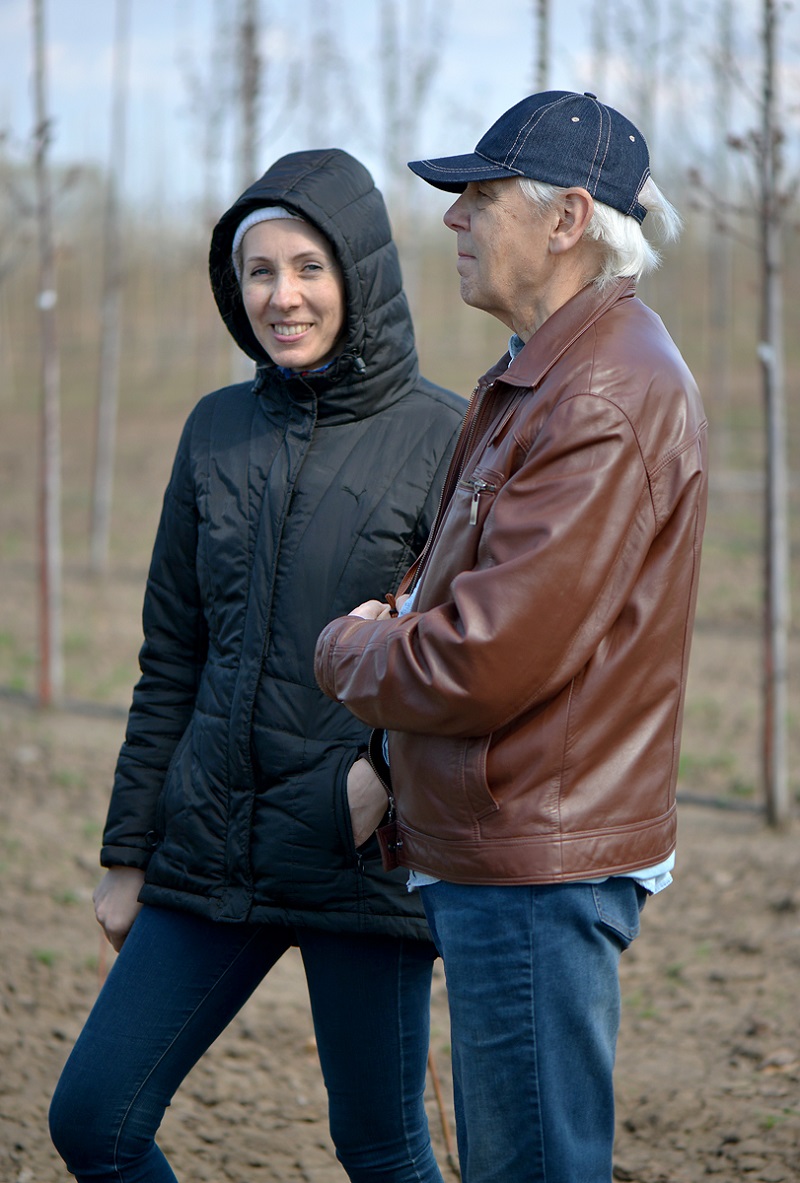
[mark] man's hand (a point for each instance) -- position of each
(367, 799)
(375, 610)
(116, 903)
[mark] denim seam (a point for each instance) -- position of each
(532, 898)
(402, 1046)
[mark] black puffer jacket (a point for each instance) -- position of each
(291, 500)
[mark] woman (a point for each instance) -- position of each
(229, 834)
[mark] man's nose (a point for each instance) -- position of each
(455, 218)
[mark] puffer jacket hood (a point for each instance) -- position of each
(335, 193)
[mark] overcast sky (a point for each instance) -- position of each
(485, 66)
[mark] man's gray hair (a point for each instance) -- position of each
(626, 251)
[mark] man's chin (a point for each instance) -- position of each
(468, 293)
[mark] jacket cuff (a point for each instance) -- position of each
(126, 856)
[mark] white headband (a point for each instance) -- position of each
(268, 213)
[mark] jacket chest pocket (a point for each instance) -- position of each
(480, 490)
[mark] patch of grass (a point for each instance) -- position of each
(742, 788)
(45, 956)
(85, 678)
(16, 663)
(67, 896)
(692, 765)
(705, 710)
(76, 643)
(11, 544)
(122, 676)
(641, 1005)
(770, 1120)
(67, 778)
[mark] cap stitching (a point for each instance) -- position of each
(603, 114)
(431, 164)
(636, 204)
(532, 119)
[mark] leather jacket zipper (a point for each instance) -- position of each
(478, 486)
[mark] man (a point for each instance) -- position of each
(534, 692)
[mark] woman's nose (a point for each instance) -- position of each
(285, 293)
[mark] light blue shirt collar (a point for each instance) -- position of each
(515, 345)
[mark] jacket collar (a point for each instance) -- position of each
(558, 333)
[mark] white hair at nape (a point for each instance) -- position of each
(626, 251)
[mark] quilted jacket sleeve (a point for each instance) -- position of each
(171, 662)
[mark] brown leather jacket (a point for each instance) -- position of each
(535, 697)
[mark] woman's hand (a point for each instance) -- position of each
(116, 902)
(367, 799)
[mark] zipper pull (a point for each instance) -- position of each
(478, 486)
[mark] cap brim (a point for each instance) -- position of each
(454, 173)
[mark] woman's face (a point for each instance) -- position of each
(293, 293)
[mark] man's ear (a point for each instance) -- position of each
(575, 211)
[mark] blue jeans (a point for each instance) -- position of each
(533, 987)
(177, 983)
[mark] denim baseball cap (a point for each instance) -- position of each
(558, 137)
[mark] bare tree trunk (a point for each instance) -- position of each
(250, 69)
(108, 393)
(209, 89)
(320, 80)
(329, 85)
(211, 95)
(600, 48)
(720, 269)
(51, 665)
(409, 60)
(650, 72)
(776, 607)
(637, 30)
(541, 19)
